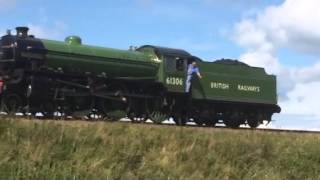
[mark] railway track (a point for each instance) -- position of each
(283, 130)
(167, 124)
(242, 129)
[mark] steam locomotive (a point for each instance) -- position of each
(39, 75)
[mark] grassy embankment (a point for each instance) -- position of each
(82, 150)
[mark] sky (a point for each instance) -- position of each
(283, 36)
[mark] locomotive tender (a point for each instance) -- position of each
(39, 75)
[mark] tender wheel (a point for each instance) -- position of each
(253, 123)
(232, 123)
(253, 120)
(234, 118)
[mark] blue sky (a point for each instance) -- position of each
(201, 27)
(279, 35)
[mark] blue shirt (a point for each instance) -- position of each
(192, 69)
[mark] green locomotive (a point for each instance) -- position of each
(148, 82)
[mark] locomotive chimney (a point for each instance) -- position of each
(22, 31)
(8, 32)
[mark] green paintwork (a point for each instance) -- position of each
(74, 58)
(234, 83)
(165, 73)
(220, 82)
(175, 81)
(238, 83)
(152, 55)
(73, 40)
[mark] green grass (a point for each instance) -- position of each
(82, 150)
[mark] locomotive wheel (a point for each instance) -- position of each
(48, 109)
(158, 117)
(115, 115)
(137, 119)
(153, 110)
(139, 110)
(195, 116)
(211, 122)
(199, 121)
(11, 103)
(94, 115)
(140, 119)
(180, 120)
(131, 116)
(114, 109)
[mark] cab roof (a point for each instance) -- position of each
(167, 51)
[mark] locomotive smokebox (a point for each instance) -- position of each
(22, 31)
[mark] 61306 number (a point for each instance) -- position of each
(174, 81)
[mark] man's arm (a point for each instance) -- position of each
(198, 72)
(199, 75)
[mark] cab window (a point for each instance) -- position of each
(175, 64)
(180, 64)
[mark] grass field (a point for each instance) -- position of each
(82, 150)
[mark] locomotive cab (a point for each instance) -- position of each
(174, 66)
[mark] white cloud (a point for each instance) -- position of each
(265, 60)
(303, 99)
(295, 25)
(249, 35)
(57, 31)
(308, 74)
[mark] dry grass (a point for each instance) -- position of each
(83, 150)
